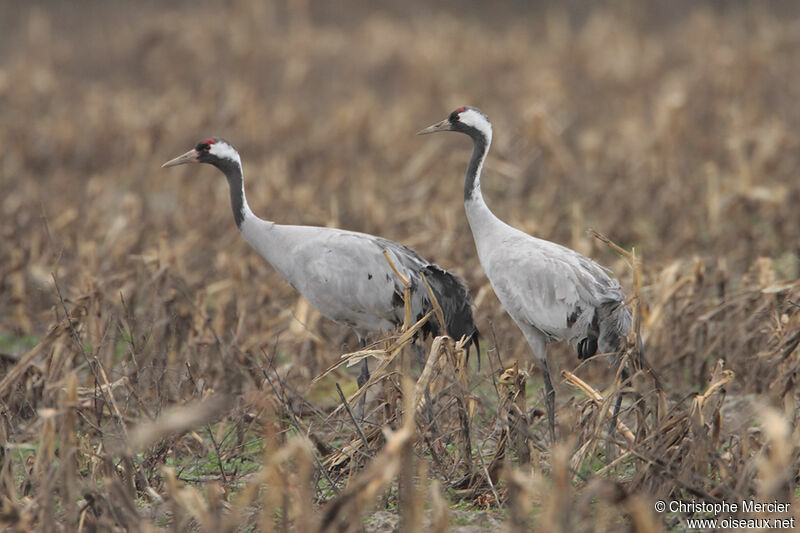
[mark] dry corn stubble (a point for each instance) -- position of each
(669, 128)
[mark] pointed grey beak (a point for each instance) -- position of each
(188, 157)
(439, 126)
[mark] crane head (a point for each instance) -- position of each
(214, 150)
(468, 119)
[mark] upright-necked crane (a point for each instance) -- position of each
(551, 292)
(344, 274)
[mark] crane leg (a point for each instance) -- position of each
(419, 355)
(550, 397)
(538, 344)
(625, 375)
(363, 377)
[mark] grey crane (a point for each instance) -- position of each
(551, 292)
(343, 274)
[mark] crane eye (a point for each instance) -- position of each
(203, 147)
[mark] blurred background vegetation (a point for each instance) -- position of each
(671, 127)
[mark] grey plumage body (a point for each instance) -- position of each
(558, 292)
(551, 292)
(346, 277)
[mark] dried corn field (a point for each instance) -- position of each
(156, 373)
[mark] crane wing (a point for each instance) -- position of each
(549, 286)
(346, 277)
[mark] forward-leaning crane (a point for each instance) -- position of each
(344, 274)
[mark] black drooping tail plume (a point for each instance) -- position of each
(456, 304)
(606, 331)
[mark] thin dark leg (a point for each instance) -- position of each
(550, 398)
(618, 402)
(363, 377)
(419, 355)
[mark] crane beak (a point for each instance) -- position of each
(439, 126)
(188, 157)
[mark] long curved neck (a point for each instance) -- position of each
(482, 221)
(233, 172)
(472, 181)
(264, 236)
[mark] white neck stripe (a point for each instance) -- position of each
(224, 150)
(476, 120)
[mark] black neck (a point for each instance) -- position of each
(233, 171)
(473, 169)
